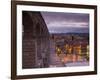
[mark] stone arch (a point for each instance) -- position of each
(27, 23)
(28, 42)
(35, 39)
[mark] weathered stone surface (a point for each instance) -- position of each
(35, 41)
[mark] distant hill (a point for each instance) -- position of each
(78, 34)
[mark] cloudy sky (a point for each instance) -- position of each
(66, 22)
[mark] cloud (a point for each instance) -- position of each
(66, 22)
(68, 30)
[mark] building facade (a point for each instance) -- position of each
(35, 41)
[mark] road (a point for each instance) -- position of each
(54, 59)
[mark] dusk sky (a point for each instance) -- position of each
(66, 22)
